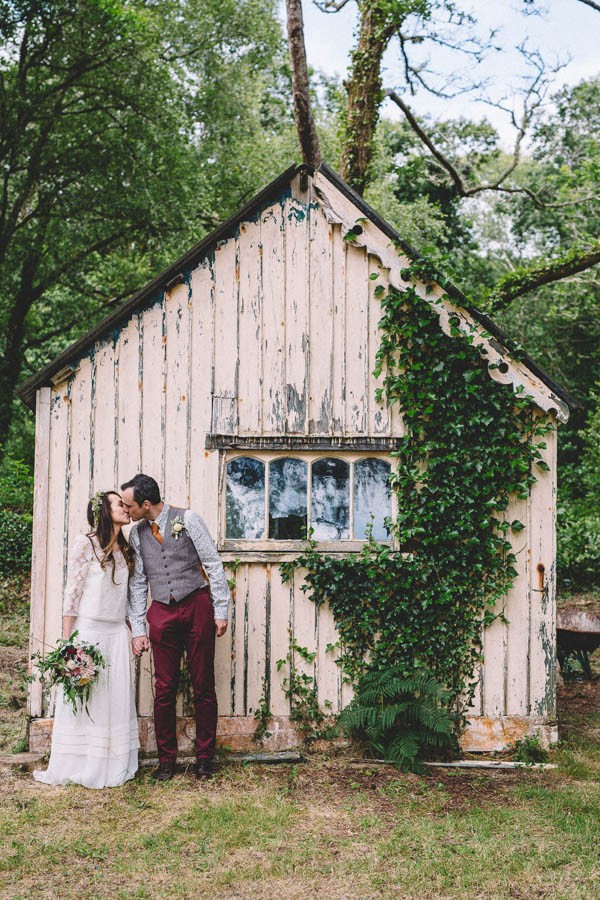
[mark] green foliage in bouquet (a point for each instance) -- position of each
(399, 718)
(74, 665)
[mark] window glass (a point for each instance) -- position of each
(287, 499)
(372, 497)
(245, 499)
(330, 505)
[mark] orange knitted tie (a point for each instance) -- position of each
(155, 532)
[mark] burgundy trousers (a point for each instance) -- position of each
(188, 625)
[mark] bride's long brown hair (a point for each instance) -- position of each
(101, 523)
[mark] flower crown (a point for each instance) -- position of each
(96, 502)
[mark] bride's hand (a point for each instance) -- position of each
(140, 644)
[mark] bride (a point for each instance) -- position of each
(99, 749)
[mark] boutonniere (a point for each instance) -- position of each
(177, 526)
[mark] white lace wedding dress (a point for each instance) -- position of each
(100, 749)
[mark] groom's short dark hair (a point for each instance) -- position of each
(144, 488)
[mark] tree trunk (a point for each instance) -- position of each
(364, 89)
(10, 370)
(13, 340)
(305, 123)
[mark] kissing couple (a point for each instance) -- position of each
(171, 551)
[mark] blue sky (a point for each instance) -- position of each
(569, 30)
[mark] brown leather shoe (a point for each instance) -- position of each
(203, 769)
(164, 772)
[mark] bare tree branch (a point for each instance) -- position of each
(524, 281)
(497, 185)
(461, 188)
(591, 3)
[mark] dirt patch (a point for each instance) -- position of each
(12, 659)
(578, 699)
(377, 789)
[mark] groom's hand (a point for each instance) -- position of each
(139, 644)
(221, 625)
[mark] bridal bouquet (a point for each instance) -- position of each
(73, 664)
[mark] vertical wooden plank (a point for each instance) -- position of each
(153, 392)
(273, 321)
(81, 448)
(476, 705)
(204, 470)
(145, 686)
(223, 666)
(129, 402)
(152, 375)
(224, 659)
(356, 367)
(338, 277)
(239, 643)
(542, 646)
(177, 395)
(226, 355)
(494, 666)
(321, 342)
(39, 537)
(250, 329)
(105, 416)
(257, 634)
(304, 628)
(56, 552)
(296, 316)
(328, 673)
(517, 613)
(379, 414)
(281, 599)
(103, 435)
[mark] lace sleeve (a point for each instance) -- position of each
(79, 561)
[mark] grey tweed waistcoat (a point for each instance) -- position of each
(173, 567)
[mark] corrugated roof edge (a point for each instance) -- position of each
(26, 391)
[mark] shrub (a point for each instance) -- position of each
(16, 485)
(578, 546)
(15, 542)
(399, 718)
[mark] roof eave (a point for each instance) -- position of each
(27, 390)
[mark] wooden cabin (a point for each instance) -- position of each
(241, 379)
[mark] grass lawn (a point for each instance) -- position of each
(327, 827)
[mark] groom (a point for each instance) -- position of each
(175, 554)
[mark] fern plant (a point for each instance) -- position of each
(399, 718)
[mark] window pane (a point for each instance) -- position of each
(245, 501)
(372, 497)
(287, 499)
(330, 507)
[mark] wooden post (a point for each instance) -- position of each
(40, 524)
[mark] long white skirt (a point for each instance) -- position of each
(100, 749)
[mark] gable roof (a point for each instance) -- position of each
(175, 274)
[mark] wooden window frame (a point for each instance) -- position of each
(273, 548)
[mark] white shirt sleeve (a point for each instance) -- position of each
(138, 589)
(77, 569)
(211, 562)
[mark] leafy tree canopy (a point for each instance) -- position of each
(127, 130)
